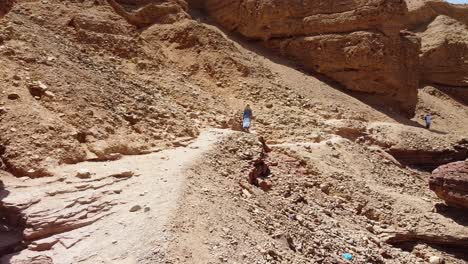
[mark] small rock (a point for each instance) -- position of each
(114, 156)
(42, 86)
(83, 174)
(135, 208)
(436, 260)
(123, 174)
(265, 185)
(325, 187)
(299, 218)
(246, 193)
(13, 96)
(385, 254)
(49, 94)
(147, 209)
(180, 143)
(37, 89)
(43, 244)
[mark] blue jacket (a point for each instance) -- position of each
(428, 119)
(248, 113)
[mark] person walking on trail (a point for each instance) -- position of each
(428, 119)
(247, 119)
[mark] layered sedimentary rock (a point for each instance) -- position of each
(424, 12)
(266, 19)
(450, 183)
(357, 43)
(363, 61)
(444, 56)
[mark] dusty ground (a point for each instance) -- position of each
(113, 233)
(328, 198)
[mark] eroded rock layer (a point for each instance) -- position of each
(445, 52)
(357, 43)
(450, 183)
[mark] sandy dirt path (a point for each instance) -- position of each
(122, 236)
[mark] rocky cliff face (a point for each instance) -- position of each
(357, 43)
(442, 28)
(363, 61)
(360, 44)
(423, 12)
(444, 56)
(267, 19)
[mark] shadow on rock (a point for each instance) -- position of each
(11, 227)
(458, 215)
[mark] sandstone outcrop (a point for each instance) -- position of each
(450, 183)
(268, 19)
(363, 61)
(33, 217)
(357, 43)
(424, 12)
(444, 58)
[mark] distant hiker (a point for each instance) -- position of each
(428, 119)
(247, 119)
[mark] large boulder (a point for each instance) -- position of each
(357, 43)
(450, 183)
(444, 56)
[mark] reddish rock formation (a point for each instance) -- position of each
(260, 170)
(450, 183)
